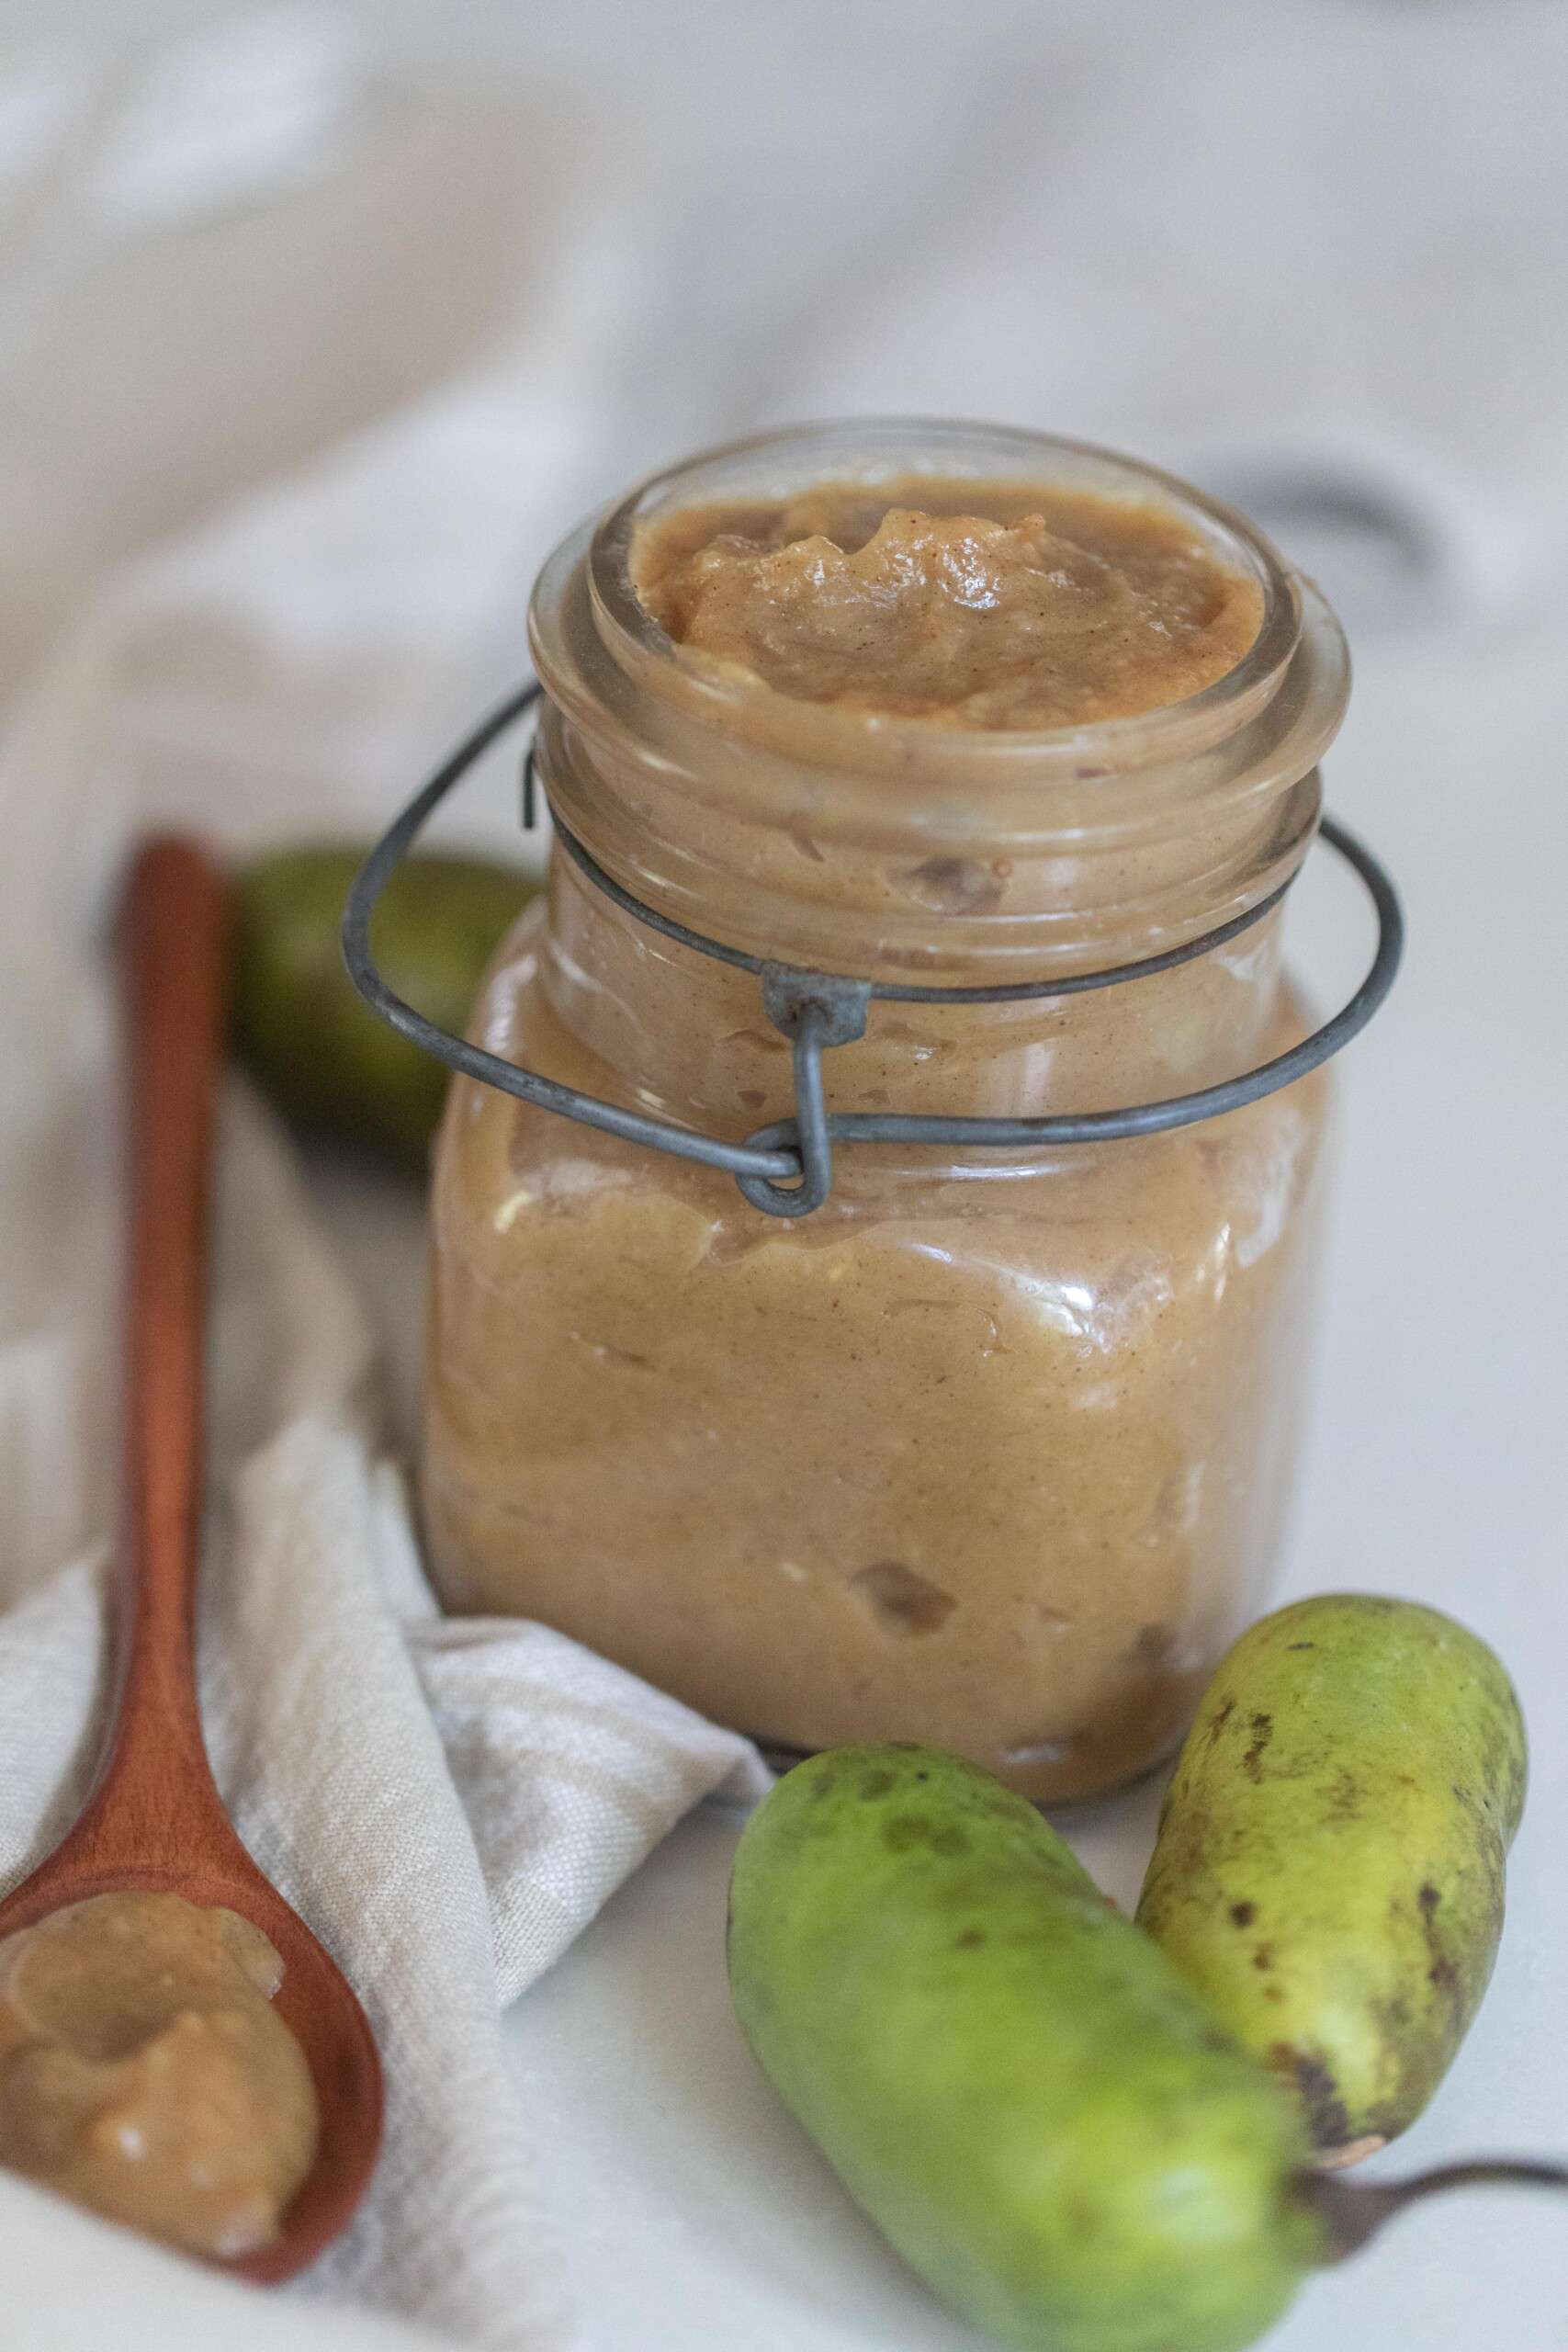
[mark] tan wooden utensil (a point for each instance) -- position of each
(154, 1819)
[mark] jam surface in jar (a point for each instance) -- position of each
(1048, 609)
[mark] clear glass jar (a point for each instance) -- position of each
(982, 1452)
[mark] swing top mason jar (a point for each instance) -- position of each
(992, 1449)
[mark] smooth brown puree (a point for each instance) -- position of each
(144, 2072)
(991, 1458)
(1053, 608)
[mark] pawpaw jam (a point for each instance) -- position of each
(988, 1450)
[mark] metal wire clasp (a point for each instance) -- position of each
(813, 1010)
(786, 1170)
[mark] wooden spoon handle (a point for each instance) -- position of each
(157, 1781)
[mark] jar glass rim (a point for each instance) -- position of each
(948, 448)
(751, 756)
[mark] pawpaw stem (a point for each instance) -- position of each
(1355, 2211)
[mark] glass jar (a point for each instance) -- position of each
(984, 1452)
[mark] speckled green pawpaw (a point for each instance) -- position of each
(1329, 1868)
(1009, 2078)
(300, 1027)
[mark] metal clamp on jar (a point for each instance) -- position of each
(989, 1443)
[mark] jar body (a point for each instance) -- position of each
(997, 1460)
(987, 1454)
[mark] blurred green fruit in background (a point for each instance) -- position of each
(300, 1027)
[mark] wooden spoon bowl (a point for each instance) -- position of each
(314, 2000)
(154, 1821)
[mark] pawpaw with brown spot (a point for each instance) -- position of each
(1361, 1844)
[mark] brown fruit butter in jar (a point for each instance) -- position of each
(987, 1451)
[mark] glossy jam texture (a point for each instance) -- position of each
(145, 2073)
(986, 1453)
(980, 604)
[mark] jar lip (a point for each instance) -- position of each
(835, 733)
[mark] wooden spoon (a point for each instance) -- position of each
(154, 1819)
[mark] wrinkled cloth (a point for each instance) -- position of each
(446, 1803)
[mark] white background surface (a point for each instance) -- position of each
(691, 2212)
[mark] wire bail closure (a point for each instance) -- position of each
(813, 1010)
(785, 1170)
